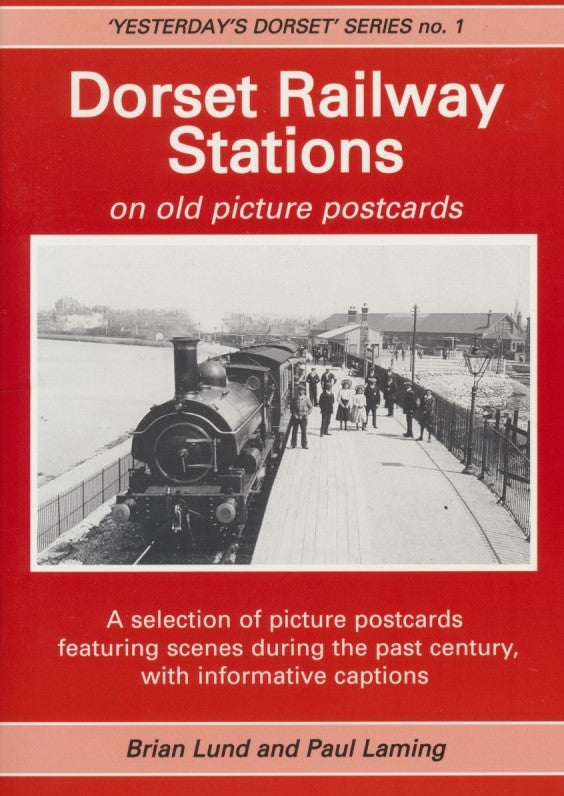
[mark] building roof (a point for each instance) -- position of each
(432, 322)
(260, 354)
(340, 319)
(340, 331)
(504, 334)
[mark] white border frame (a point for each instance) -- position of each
(530, 240)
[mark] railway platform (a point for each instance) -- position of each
(376, 499)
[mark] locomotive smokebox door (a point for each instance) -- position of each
(183, 453)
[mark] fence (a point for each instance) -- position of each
(501, 458)
(64, 511)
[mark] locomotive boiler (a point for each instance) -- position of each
(200, 458)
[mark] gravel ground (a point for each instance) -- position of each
(108, 543)
(498, 392)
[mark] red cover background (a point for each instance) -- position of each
(60, 176)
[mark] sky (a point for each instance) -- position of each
(279, 276)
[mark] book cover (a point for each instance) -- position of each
(280, 384)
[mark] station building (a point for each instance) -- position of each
(438, 331)
(343, 344)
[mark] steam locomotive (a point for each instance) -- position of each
(200, 458)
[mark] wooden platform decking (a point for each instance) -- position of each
(373, 498)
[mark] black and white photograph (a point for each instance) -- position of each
(283, 402)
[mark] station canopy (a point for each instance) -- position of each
(342, 331)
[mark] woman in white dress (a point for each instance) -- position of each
(344, 399)
(358, 408)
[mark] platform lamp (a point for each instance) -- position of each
(368, 353)
(477, 360)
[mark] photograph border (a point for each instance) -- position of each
(419, 239)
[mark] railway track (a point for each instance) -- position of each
(155, 554)
(235, 548)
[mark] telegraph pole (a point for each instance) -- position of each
(415, 308)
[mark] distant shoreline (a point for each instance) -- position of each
(85, 338)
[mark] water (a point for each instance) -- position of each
(90, 395)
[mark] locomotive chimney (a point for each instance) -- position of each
(351, 315)
(186, 378)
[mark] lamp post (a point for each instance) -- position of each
(477, 360)
(368, 352)
(414, 311)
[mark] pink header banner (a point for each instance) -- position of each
(184, 749)
(297, 26)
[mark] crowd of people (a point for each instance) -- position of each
(355, 407)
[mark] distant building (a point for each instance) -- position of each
(67, 306)
(239, 330)
(151, 324)
(440, 330)
(350, 341)
(80, 322)
(72, 317)
(347, 342)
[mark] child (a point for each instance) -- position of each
(358, 408)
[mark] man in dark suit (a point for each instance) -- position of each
(372, 395)
(326, 404)
(313, 380)
(300, 408)
(328, 378)
(409, 409)
(390, 394)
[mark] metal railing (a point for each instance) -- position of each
(505, 467)
(500, 454)
(64, 511)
